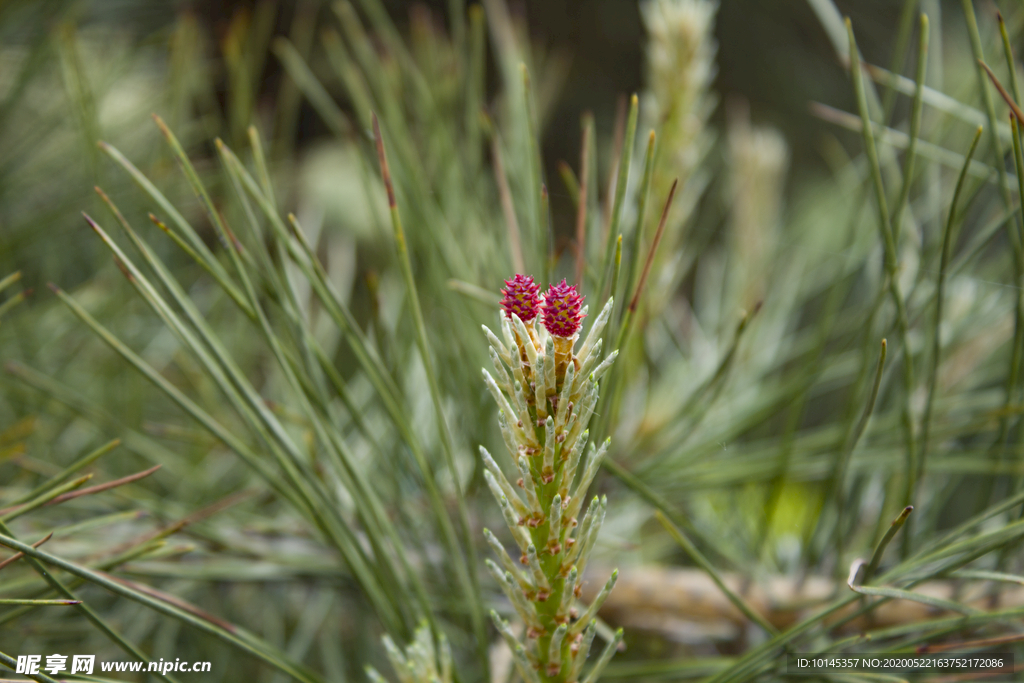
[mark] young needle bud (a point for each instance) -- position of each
(555, 650)
(564, 398)
(499, 397)
(518, 532)
(506, 332)
(502, 376)
(506, 561)
(569, 473)
(547, 473)
(568, 591)
(605, 364)
(499, 486)
(584, 649)
(531, 491)
(586, 363)
(583, 531)
(550, 383)
(527, 612)
(508, 436)
(519, 656)
(593, 465)
(596, 604)
(525, 341)
(540, 389)
(583, 413)
(521, 403)
(609, 652)
(587, 545)
(519, 371)
(596, 329)
(496, 344)
(555, 526)
(537, 574)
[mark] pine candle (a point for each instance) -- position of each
(546, 393)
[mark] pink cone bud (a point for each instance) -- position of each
(562, 310)
(522, 297)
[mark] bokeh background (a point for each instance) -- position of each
(773, 56)
(749, 408)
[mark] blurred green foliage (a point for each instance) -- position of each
(304, 366)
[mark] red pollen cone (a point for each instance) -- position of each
(522, 297)
(562, 310)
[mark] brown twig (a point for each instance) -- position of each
(169, 599)
(92, 489)
(1002, 91)
(104, 487)
(385, 172)
(18, 555)
(177, 526)
(689, 596)
(654, 248)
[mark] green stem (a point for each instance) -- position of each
(939, 297)
(892, 267)
(465, 569)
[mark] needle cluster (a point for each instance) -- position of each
(546, 391)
